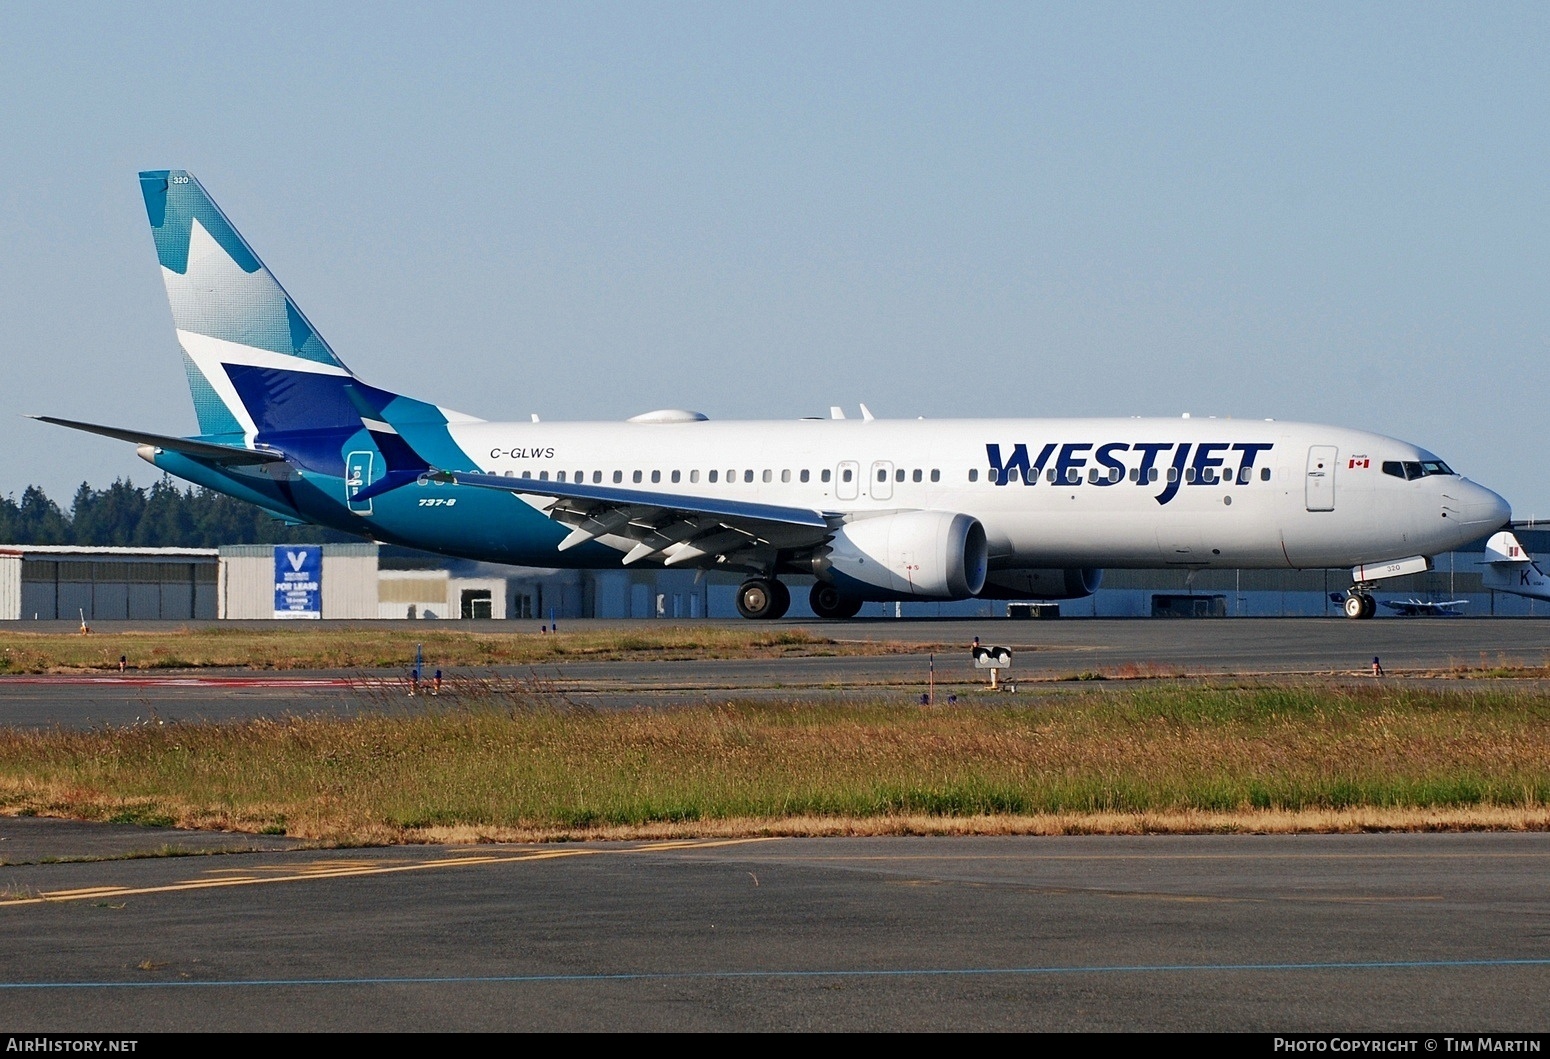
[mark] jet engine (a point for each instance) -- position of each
(911, 555)
(1073, 583)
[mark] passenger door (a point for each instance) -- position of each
(1321, 478)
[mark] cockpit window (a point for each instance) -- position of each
(1410, 470)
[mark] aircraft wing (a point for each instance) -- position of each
(676, 527)
(208, 451)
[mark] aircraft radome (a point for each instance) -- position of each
(874, 509)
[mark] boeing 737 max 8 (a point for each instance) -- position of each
(874, 509)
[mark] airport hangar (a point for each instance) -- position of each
(371, 581)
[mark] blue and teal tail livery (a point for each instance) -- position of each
(229, 312)
(260, 374)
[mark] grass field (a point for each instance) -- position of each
(388, 645)
(507, 762)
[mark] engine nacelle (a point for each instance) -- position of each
(911, 555)
(1074, 583)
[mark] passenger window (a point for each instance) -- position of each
(1189, 474)
(712, 478)
(597, 476)
(768, 476)
(1173, 474)
(694, 476)
(543, 476)
(974, 474)
(916, 476)
(882, 475)
(1135, 474)
(511, 474)
(1092, 476)
(936, 475)
(527, 474)
(656, 476)
(618, 477)
(635, 477)
(804, 474)
(1264, 474)
(785, 476)
(845, 476)
(825, 474)
(677, 476)
(559, 476)
(1052, 476)
(898, 475)
(747, 476)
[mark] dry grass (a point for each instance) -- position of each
(391, 645)
(513, 763)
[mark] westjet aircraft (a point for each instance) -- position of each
(874, 509)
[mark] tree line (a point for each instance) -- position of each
(161, 516)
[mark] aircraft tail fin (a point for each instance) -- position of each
(1508, 567)
(233, 319)
(261, 375)
(1503, 547)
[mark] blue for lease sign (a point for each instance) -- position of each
(298, 581)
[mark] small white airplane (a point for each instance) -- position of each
(1416, 608)
(1510, 568)
(873, 509)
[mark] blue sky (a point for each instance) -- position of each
(1325, 212)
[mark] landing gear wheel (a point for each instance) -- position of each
(782, 601)
(1360, 605)
(758, 598)
(828, 602)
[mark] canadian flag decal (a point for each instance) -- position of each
(1358, 461)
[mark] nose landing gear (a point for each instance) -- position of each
(1359, 602)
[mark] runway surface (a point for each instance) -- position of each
(1437, 933)
(1332, 933)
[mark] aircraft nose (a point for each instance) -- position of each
(1482, 507)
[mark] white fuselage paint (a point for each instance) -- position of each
(1371, 517)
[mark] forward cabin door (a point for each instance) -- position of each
(1321, 478)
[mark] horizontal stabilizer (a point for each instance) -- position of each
(208, 451)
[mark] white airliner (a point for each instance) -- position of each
(873, 509)
(1510, 568)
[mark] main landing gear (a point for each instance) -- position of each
(828, 602)
(763, 598)
(1359, 602)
